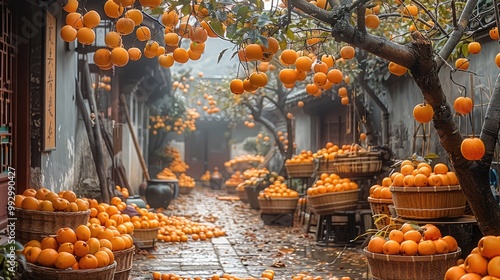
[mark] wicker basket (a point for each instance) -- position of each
(364, 163)
(278, 205)
(380, 211)
(35, 272)
(429, 202)
(185, 190)
(145, 238)
(328, 203)
(326, 166)
(397, 267)
(205, 183)
(231, 188)
(300, 170)
(242, 194)
(123, 275)
(123, 260)
(34, 224)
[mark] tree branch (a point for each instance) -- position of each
(314, 11)
(457, 33)
(343, 31)
(361, 11)
(491, 125)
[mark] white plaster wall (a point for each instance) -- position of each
(304, 131)
(58, 166)
(131, 159)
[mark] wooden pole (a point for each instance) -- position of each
(134, 139)
(117, 166)
(93, 143)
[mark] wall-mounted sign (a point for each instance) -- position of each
(49, 141)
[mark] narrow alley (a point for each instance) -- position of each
(249, 247)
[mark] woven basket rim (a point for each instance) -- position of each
(54, 212)
(34, 267)
(278, 198)
(184, 186)
(299, 164)
(380, 200)
(333, 193)
(426, 189)
(124, 251)
(146, 229)
(399, 258)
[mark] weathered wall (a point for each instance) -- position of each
(131, 159)
(58, 167)
(70, 165)
(403, 95)
(305, 131)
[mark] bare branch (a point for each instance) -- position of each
(361, 10)
(457, 33)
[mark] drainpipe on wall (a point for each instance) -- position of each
(362, 56)
(385, 112)
(385, 127)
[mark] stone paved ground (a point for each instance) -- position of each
(248, 248)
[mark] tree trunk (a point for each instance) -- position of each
(473, 176)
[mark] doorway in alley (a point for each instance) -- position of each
(207, 147)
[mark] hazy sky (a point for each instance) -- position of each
(208, 61)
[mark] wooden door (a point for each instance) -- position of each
(207, 148)
(7, 55)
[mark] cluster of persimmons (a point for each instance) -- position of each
(330, 183)
(413, 240)
(422, 175)
(483, 262)
(326, 153)
(278, 189)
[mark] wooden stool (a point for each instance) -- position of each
(326, 234)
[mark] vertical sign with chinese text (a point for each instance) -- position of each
(49, 142)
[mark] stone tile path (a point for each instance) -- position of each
(248, 248)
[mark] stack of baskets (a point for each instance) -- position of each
(273, 205)
(123, 260)
(35, 272)
(231, 188)
(205, 183)
(381, 211)
(328, 203)
(429, 202)
(34, 224)
(145, 238)
(242, 193)
(298, 170)
(397, 267)
(353, 163)
(185, 189)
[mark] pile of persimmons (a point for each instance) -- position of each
(330, 183)
(413, 240)
(483, 263)
(83, 248)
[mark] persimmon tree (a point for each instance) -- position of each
(266, 106)
(419, 38)
(419, 52)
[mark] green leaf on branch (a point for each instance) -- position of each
(221, 54)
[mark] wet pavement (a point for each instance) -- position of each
(249, 247)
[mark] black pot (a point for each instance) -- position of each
(159, 195)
